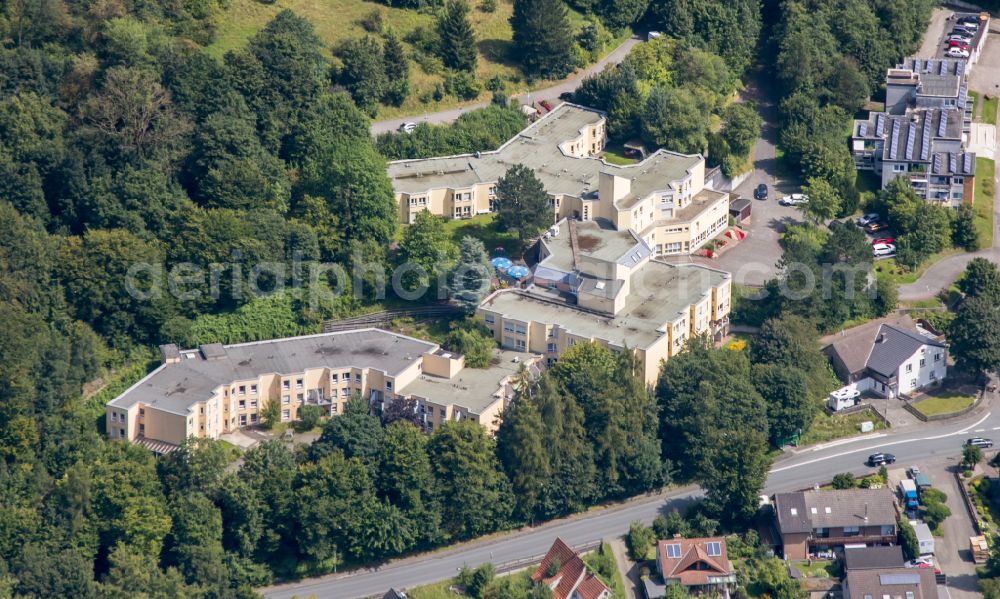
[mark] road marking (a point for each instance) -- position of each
(880, 446)
(996, 428)
(979, 430)
(846, 441)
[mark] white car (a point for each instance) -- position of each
(957, 53)
(868, 218)
(883, 250)
(921, 562)
(407, 127)
(794, 199)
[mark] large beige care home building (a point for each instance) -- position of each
(596, 283)
(663, 198)
(217, 389)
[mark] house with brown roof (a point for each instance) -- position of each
(699, 565)
(810, 521)
(564, 573)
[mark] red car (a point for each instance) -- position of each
(958, 44)
(885, 240)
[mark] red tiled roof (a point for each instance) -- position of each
(572, 575)
(694, 565)
(558, 550)
(592, 588)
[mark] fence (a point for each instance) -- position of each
(524, 562)
(911, 406)
(384, 317)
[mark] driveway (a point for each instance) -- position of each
(952, 550)
(931, 44)
(755, 259)
(549, 93)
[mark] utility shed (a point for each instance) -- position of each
(924, 537)
(740, 209)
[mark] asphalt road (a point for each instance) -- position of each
(802, 469)
(549, 93)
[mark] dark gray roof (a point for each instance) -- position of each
(178, 386)
(853, 345)
(894, 582)
(909, 135)
(739, 205)
(806, 510)
(868, 558)
(893, 346)
(791, 511)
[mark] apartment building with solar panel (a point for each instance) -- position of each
(922, 133)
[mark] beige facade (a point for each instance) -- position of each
(663, 198)
(597, 284)
(216, 389)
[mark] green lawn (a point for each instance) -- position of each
(819, 569)
(902, 275)
(438, 590)
(990, 110)
(603, 563)
(615, 154)
(983, 203)
(481, 227)
(944, 403)
(339, 20)
(827, 428)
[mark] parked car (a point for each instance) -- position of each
(408, 127)
(566, 96)
(958, 44)
(957, 53)
(980, 442)
(886, 240)
(760, 192)
(880, 459)
(968, 22)
(959, 37)
(794, 199)
(920, 562)
(868, 218)
(883, 250)
(876, 226)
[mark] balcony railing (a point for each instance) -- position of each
(851, 539)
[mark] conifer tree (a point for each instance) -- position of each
(397, 70)
(458, 40)
(543, 38)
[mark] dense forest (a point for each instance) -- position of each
(123, 143)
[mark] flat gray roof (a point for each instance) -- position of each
(595, 238)
(174, 387)
(472, 388)
(537, 147)
(660, 293)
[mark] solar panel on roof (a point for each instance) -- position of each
(893, 140)
(952, 162)
(863, 129)
(962, 92)
(942, 123)
(928, 66)
(943, 67)
(916, 64)
(905, 578)
(959, 67)
(911, 137)
(967, 164)
(879, 125)
(937, 164)
(925, 139)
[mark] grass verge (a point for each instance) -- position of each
(603, 563)
(989, 114)
(825, 427)
(944, 403)
(901, 275)
(983, 200)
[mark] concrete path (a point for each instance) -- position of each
(983, 139)
(628, 569)
(952, 550)
(549, 93)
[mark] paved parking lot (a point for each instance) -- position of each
(952, 549)
(942, 21)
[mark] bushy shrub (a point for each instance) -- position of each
(463, 85)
